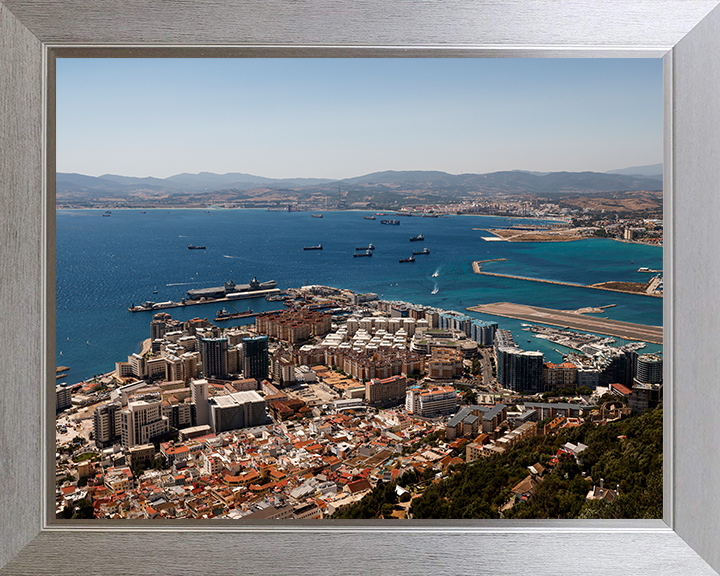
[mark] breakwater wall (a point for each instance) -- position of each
(477, 270)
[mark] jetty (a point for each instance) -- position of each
(641, 289)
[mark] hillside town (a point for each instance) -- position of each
(303, 413)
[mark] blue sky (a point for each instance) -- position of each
(339, 118)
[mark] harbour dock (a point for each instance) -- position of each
(157, 306)
(569, 319)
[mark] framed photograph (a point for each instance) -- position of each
(682, 34)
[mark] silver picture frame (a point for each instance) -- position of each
(685, 33)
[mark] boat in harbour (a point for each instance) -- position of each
(423, 251)
(369, 217)
(411, 259)
(318, 247)
(418, 238)
(393, 222)
(225, 315)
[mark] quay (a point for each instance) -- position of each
(155, 306)
(569, 319)
(477, 269)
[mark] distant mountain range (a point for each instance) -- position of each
(389, 188)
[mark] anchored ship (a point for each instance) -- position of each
(411, 259)
(418, 238)
(361, 254)
(368, 247)
(191, 247)
(318, 247)
(225, 315)
(423, 251)
(395, 222)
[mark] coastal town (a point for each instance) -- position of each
(326, 401)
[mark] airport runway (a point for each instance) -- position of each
(573, 320)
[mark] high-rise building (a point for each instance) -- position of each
(63, 397)
(650, 369)
(199, 390)
(107, 429)
(648, 384)
(213, 352)
(141, 421)
(255, 357)
(520, 370)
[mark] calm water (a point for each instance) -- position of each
(106, 264)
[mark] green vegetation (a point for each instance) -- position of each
(86, 456)
(626, 454)
(569, 391)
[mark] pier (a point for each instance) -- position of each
(569, 319)
(602, 286)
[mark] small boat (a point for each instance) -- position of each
(318, 247)
(435, 291)
(143, 212)
(435, 274)
(393, 222)
(317, 215)
(423, 251)
(191, 247)
(380, 214)
(411, 259)
(418, 238)
(107, 215)
(155, 291)
(370, 246)
(361, 254)
(369, 217)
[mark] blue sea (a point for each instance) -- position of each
(106, 264)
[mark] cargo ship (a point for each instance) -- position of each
(361, 254)
(418, 238)
(225, 315)
(368, 247)
(423, 251)
(411, 259)
(232, 290)
(394, 222)
(191, 247)
(318, 247)
(369, 217)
